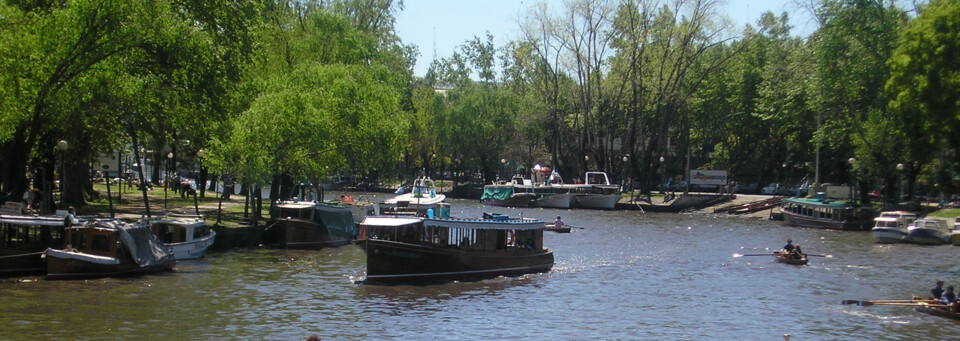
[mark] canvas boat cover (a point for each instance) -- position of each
(497, 192)
(338, 220)
(145, 248)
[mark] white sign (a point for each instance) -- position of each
(708, 177)
(11, 207)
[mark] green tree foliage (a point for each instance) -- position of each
(924, 85)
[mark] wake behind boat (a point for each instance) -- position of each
(416, 250)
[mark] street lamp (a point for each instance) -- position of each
(201, 182)
(62, 145)
(663, 175)
(626, 174)
(165, 180)
(503, 165)
(853, 175)
(900, 168)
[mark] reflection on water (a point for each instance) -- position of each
(626, 275)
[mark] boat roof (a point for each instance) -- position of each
(387, 221)
(31, 220)
(485, 224)
(820, 203)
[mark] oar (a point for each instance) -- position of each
(888, 302)
(825, 256)
(737, 255)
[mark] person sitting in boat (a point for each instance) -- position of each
(797, 253)
(789, 246)
(937, 291)
(558, 223)
(948, 297)
(71, 218)
(346, 198)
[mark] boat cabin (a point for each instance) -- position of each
(179, 230)
(24, 238)
(94, 241)
(466, 234)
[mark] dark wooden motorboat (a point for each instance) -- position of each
(108, 248)
(827, 214)
(423, 250)
(310, 225)
(23, 239)
(938, 310)
(788, 258)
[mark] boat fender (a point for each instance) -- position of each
(512, 237)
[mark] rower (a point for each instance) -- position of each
(937, 291)
(789, 246)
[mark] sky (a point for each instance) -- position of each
(442, 25)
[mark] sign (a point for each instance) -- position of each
(708, 177)
(12, 207)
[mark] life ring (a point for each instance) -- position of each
(511, 237)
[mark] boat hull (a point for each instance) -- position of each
(927, 237)
(804, 221)
(71, 265)
(942, 312)
(555, 200)
(889, 235)
(302, 234)
(788, 259)
(193, 249)
(397, 262)
(598, 201)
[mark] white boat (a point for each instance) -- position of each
(596, 192)
(423, 196)
(928, 232)
(891, 226)
(955, 234)
(188, 236)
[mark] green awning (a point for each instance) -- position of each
(497, 192)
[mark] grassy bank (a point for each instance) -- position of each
(130, 205)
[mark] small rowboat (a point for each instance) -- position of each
(939, 310)
(786, 257)
(554, 228)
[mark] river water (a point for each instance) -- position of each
(625, 276)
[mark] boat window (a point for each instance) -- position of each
(78, 241)
(181, 234)
(200, 232)
(100, 243)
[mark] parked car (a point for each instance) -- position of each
(770, 189)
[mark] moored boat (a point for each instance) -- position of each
(955, 233)
(188, 236)
(310, 225)
(417, 250)
(891, 226)
(516, 193)
(790, 258)
(596, 192)
(23, 240)
(108, 248)
(423, 196)
(928, 232)
(826, 214)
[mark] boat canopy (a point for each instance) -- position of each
(31, 220)
(339, 221)
(497, 192)
(390, 221)
(486, 224)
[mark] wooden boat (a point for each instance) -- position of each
(418, 250)
(188, 236)
(108, 248)
(938, 310)
(928, 232)
(423, 196)
(826, 214)
(310, 225)
(23, 240)
(788, 258)
(554, 228)
(891, 226)
(955, 233)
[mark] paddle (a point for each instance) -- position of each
(825, 256)
(737, 255)
(890, 302)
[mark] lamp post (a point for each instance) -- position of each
(663, 175)
(900, 168)
(503, 165)
(165, 182)
(62, 145)
(201, 183)
(853, 176)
